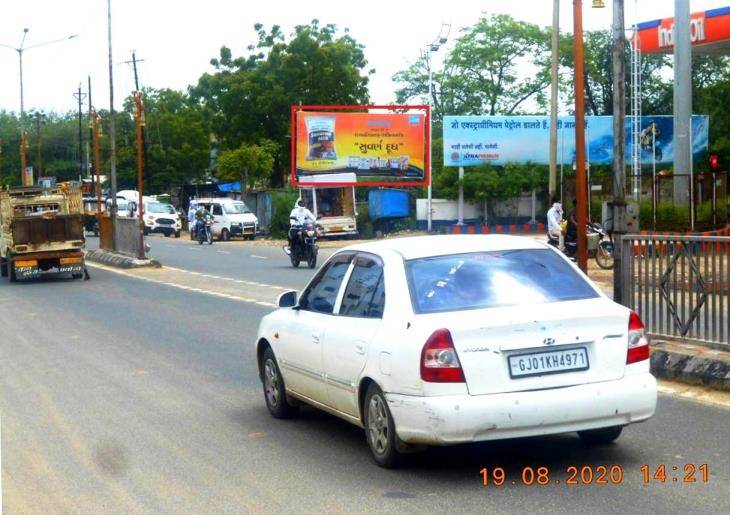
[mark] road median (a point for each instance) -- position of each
(690, 364)
(118, 260)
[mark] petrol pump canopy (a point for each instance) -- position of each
(709, 33)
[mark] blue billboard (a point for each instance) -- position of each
(474, 140)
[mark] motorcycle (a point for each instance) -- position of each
(204, 230)
(603, 251)
(304, 244)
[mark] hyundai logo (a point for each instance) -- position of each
(548, 341)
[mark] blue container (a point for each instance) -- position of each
(388, 203)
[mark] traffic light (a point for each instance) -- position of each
(714, 162)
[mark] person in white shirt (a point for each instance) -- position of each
(554, 218)
(300, 214)
(297, 218)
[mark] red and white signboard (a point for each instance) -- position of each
(709, 32)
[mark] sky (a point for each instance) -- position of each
(177, 38)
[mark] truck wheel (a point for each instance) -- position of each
(77, 276)
(3, 267)
(177, 234)
(225, 235)
(11, 272)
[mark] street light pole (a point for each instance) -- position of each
(552, 180)
(429, 217)
(112, 130)
(433, 47)
(20, 49)
(618, 56)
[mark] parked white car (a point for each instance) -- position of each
(440, 340)
(231, 218)
(162, 218)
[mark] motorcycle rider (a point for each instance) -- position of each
(201, 216)
(297, 218)
(554, 219)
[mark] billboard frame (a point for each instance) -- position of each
(360, 108)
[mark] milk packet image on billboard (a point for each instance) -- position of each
(321, 137)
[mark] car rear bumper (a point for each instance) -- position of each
(451, 419)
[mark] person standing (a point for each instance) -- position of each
(554, 219)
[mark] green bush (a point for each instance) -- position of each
(282, 202)
(364, 224)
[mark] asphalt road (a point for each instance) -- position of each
(124, 395)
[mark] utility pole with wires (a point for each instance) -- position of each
(80, 97)
(89, 166)
(134, 62)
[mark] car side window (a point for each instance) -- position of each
(321, 294)
(365, 292)
(217, 211)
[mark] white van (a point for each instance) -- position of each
(231, 218)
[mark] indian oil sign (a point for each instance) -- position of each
(709, 30)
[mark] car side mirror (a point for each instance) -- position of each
(287, 299)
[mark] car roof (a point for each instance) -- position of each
(222, 200)
(441, 245)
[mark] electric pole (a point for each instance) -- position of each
(134, 62)
(112, 130)
(140, 123)
(89, 166)
(1, 164)
(38, 142)
(80, 97)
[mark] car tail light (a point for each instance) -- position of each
(638, 345)
(439, 361)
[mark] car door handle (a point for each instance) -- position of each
(315, 338)
(360, 347)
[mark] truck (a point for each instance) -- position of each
(42, 231)
(333, 206)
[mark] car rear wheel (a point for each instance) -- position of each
(601, 436)
(225, 235)
(177, 234)
(380, 428)
(274, 389)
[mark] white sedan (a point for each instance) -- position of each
(440, 340)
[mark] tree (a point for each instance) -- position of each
(248, 99)
(247, 163)
(498, 66)
(178, 143)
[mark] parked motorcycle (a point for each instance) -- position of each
(600, 250)
(204, 231)
(304, 244)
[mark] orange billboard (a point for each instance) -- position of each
(377, 147)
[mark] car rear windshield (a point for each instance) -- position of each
(493, 279)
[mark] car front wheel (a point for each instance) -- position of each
(601, 436)
(380, 429)
(274, 389)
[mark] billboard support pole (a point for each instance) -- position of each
(460, 207)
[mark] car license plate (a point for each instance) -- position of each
(550, 362)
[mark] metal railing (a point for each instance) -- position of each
(679, 285)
